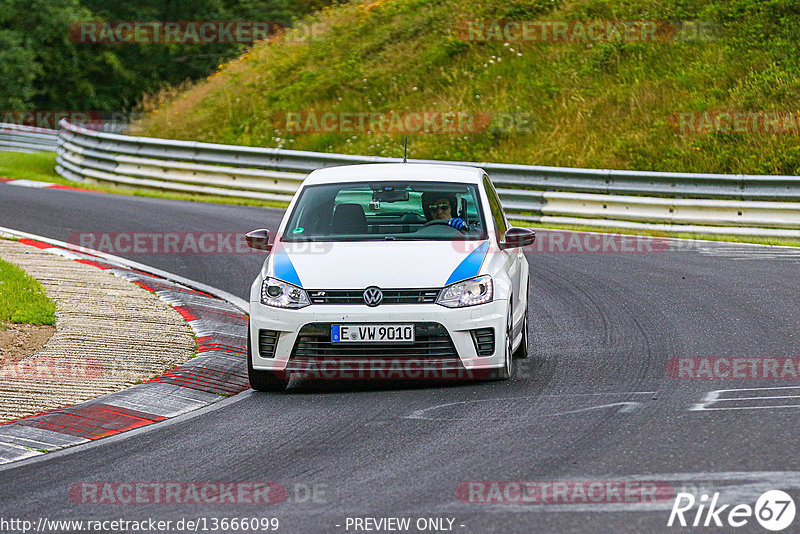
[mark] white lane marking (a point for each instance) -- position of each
(18, 446)
(182, 415)
(771, 397)
(119, 260)
(713, 399)
(735, 487)
(737, 252)
(761, 389)
(627, 406)
(29, 183)
(108, 441)
(773, 407)
(5, 438)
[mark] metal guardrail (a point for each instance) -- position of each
(708, 203)
(17, 138)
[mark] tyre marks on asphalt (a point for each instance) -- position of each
(593, 336)
(517, 408)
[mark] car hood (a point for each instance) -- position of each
(386, 264)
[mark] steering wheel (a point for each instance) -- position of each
(434, 222)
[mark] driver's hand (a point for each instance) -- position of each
(458, 224)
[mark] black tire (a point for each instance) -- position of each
(522, 350)
(262, 380)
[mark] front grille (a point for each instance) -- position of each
(484, 341)
(390, 296)
(267, 341)
(431, 341)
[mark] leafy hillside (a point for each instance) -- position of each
(613, 103)
(44, 65)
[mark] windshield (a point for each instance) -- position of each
(362, 211)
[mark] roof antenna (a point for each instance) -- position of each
(405, 151)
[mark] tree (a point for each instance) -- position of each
(17, 72)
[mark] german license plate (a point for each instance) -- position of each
(372, 333)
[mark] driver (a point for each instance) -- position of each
(441, 206)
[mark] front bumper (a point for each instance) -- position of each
(458, 322)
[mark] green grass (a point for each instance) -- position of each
(22, 166)
(778, 241)
(22, 298)
(40, 167)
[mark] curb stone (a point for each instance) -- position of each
(218, 371)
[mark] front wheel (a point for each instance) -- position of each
(507, 371)
(522, 350)
(262, 380)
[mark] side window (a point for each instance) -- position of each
(497, 209)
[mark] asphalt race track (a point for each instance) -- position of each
(593, 402)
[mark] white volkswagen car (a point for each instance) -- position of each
(390, 271)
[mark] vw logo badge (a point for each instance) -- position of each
(373, 296)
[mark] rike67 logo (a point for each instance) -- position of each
(774, 510)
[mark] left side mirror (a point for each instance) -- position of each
(517, 237)
(258, 239)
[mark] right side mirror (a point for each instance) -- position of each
(258, 239)
(517, 237)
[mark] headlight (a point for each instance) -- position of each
(470, 292)
(280, 294)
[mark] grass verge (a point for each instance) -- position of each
(603, 102)
(22, 297)
(778, 241)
